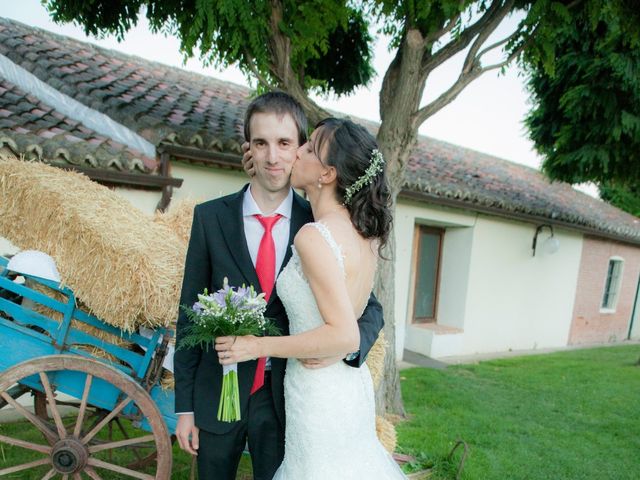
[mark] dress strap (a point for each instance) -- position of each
(335, 248)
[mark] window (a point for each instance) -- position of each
(427, 244)
(612, 284)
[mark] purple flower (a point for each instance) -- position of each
(220, 297)
(198, 308)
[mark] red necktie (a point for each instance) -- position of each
(266, 270)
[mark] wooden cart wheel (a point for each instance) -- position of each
(71, 449)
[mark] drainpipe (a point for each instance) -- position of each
(633, 311)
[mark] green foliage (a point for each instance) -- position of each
(427, 17)
(569, 415)
(329, 48)
(352, 58)
(202, 334)
(586, 114)
(625, 197)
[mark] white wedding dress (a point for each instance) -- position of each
(330, 412)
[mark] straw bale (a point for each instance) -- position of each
(104, 337)
(375, 359)
(178, 218)
(386, 434)
(123, 266)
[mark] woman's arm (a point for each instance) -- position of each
(339, 334)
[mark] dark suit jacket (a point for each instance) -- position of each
(218, 249)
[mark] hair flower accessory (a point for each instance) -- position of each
(376, 166)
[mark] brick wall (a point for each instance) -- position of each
(589, 324)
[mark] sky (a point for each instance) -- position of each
(487, 116)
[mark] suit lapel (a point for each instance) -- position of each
(232, 227)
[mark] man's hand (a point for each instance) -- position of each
(247, 160)
(187, 433)
(314, 363)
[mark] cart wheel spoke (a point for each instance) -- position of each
(121, 443)
(52, 405)
(126, 435)
(92, 473)
(50, 474)
(24, 466)
(117, 468)
(83, 405)
(44, 427)
(106, 420)
(15, 392)
(24, 444)
(85, 437)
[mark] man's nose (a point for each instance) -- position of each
(272, 155)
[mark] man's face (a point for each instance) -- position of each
(273, 144)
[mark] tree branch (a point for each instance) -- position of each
(254, 69)
(509, 59)
(432, 37)
(432, 61)
(465, 78)
(484, 34)
(497, 44)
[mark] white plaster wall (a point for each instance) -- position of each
(205, 183)
(454, 268)
(144, 200)
(516, 301)
(199, 183)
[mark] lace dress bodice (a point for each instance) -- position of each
(330, 412)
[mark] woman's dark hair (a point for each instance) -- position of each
(349, 149)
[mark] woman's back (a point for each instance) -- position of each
(359, 256)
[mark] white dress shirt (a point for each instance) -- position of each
(253, 229)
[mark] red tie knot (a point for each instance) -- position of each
(268, 222)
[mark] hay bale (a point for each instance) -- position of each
(386, 434)
(101, 335)
(178, 219)
(123, 266)
(375, 359)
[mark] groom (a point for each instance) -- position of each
(247, 237)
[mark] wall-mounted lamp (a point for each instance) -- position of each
(550, 245)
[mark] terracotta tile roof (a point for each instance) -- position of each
(30, 128)
(169, 105)
(446, 171)
(160, 103)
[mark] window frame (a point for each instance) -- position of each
(612, 300)
(417, 250)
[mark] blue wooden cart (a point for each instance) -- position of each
(101, 408)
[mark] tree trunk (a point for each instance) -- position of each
(400, 96)
(280, 48)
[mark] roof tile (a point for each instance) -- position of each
(169, 105)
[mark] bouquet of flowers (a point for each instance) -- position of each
(229, 311)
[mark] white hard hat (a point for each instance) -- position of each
(33, 262)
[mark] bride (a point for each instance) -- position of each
(330, 412)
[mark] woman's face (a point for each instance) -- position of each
(307, 168)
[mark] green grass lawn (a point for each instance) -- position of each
(562, 416)
(569, 415)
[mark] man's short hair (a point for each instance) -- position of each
(280, 103)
